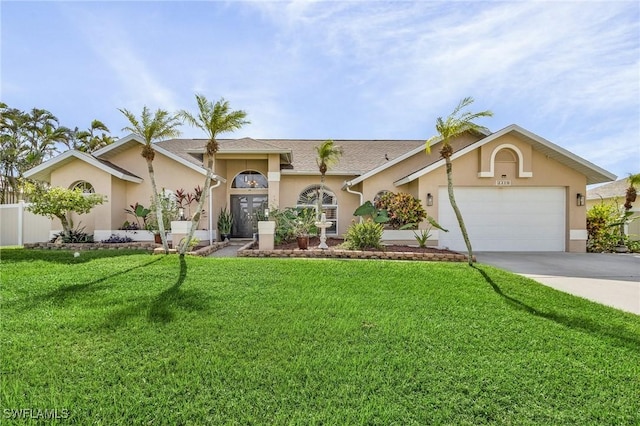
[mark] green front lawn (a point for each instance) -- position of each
(128, 338)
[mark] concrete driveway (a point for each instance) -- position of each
(609, 279)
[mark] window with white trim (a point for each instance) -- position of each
(250, 179)
(309, 198)
(83, 186)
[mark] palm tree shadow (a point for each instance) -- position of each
(620, 336)
(62, 293)
(162, 308)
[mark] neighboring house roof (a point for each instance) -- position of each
(609, 190)
(43, 171)
(593, 173)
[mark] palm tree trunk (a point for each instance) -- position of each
(156, 200)
(456, 210)
(196, 216)
(320, 198)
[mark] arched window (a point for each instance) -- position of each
(83, 186)
(250, 179)
(309, 198)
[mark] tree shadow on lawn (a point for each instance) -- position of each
(162, 308)
(62, 293)
(65, 257)
(621, 336)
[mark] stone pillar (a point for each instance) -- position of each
(179, 230)
(266, 231)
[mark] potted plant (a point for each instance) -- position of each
(303, 223)
(169, 213)
(225, 222)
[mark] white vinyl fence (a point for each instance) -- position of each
(19, 226)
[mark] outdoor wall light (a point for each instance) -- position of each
(429, 199)
(580, 199)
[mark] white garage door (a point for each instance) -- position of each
(505, 219)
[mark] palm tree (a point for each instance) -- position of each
(631, 193)
(630, 198)
(213, 119)
(13, 150)
(87, 140)
(457, 123)
(327, 156)
(42, 131)
(161, 125)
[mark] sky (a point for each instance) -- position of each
(566, 71)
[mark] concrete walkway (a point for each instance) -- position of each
(231, 250)
(609, 279)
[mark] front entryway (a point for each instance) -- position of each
(246, 210)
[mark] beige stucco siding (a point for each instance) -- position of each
(117, 201)
(169, 175)
(546, 172)
(77, 170)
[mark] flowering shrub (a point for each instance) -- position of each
(603, 225)
(363, 236)
(404, 210)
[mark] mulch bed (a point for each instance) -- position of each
(333, 242)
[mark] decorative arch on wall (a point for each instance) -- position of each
(520, 161)
(83, 186)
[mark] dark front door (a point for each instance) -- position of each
(246, 209)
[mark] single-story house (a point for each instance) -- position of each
(615, 193)
(516, 190)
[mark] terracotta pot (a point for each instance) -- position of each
(157, 238)
(303, 242)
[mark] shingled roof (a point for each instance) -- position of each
(359, 156)
(609, 190)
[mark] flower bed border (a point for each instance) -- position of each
(134, 245)
(249, 251)
(202, 251)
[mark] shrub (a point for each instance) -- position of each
(293, 222)
(363, 236)
(633, 246)
(603, 227)
(73, 236)
(126, 226)
(113, 239)
(192, 244)
(404, 210)
(422, 237)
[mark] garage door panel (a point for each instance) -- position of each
(506, 219)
